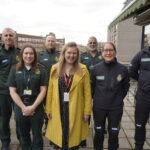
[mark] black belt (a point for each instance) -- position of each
(29, 100)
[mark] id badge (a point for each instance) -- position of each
(27, 92)
(66, 97)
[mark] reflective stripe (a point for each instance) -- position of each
(138, 125)
(99, 127)
(115, 129)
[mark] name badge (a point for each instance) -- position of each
(86, 57)
(27, 92)
(66, 97)
(45, 59)
(91, 67)
(100, 77)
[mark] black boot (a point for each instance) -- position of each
(138, 147)
(5, 146)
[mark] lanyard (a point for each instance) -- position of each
(27, 80)
(67, 81)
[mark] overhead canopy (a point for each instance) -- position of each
(130, 10)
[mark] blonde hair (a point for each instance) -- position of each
(61, 62)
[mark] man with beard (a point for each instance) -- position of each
(90, 58)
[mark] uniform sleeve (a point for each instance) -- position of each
(11, 78)
(93, 80)
(81, 58)
(87, 94)
(38, 57)
(44, 77)
(126, 82)
(48, 106)
(134, 66)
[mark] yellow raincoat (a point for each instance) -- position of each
(79, 105)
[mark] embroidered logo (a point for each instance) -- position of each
(17, 58)
(119, 77)
(100, 57)
(56, 59)
(37, 71)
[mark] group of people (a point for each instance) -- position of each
(64, 85)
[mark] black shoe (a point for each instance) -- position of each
(83, 144)
(138, 147)
(5, 147)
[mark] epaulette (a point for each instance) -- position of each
(41, 52)
(40, 65)
(18, 48)
(84, 53)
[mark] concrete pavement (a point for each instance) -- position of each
(126, 136)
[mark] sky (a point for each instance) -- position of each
(74, 20)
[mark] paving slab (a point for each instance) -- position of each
(126, 135)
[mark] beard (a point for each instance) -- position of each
(92, 49)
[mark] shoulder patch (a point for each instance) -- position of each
(119, 77)
(37, 71)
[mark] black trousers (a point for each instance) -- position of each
(5, 114)
(142, 111)
(25, 124)
(114, 119)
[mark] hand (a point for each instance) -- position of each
(28, 111)
(49, 116)
(86, 117)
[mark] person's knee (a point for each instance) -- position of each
(99, 130)
(114, 131)
(139, 126)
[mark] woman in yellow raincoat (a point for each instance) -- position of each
(68, 104)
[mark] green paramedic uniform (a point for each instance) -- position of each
(30, 80)
(7, 59)
(89, 60)
(48, 58)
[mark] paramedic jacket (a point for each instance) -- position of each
(140, 70)
(110, 84)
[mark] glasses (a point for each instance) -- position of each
(92, 43)
(108, 50)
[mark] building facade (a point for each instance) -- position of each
(129, 29)
(35, 41)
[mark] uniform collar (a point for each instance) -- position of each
(10, 48)
(97, 54)
(52, 51)
(111, 63)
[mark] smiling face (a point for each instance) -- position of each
(28, 56)
(71, 55)
(108, 53)
(92, 44)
